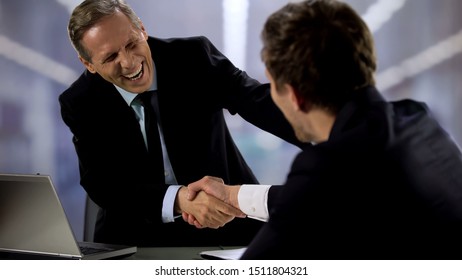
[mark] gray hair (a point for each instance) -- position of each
(90, 12)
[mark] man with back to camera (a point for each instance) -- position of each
(383, 180)
(139, 196)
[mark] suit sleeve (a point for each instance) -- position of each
(245, 96)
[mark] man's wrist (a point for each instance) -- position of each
(233, 196)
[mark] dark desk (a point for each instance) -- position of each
(171, 253)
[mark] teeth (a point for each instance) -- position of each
(136, 74)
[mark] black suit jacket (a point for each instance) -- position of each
(386, 185)
(195, 83)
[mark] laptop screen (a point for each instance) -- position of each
(32, 219)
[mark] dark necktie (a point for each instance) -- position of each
(152, 133)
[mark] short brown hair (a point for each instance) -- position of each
(90, 12)
(322, 48)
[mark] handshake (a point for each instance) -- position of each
(208, 203)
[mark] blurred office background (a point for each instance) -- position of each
(419, 44)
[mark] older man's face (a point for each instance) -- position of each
(119, 53)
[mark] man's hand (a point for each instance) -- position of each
(216, 187)
(204, 210)
(190, 219)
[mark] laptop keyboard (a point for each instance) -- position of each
(87, 250)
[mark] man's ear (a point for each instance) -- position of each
(87, 65)
(297, 100)
(143, 30)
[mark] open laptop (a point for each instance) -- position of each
(33, 224)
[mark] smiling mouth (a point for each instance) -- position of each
(135, 76)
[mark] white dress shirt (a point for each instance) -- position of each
(253, 201)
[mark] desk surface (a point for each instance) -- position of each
(172, 253)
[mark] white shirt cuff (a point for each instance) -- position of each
(169, 203)
(253, 201)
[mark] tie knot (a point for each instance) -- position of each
(145, 98)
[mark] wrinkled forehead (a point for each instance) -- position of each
(109, 35)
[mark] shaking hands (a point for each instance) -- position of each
(209, 203)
